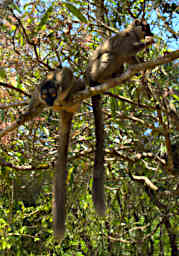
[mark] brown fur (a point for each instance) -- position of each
(58, 87)
(107, 61)
(109, 57)
(55, 91)
(59, 189)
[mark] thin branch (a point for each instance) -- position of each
(122, 98)
(114, 188)
(167, 140)
(3, 162)
(174, 33)
(146, 180)
(102, 24)
(151, 233)
(30, 42)
(14, 88)
(12, 105)
(164, 209)
(114, 239)
(22, 235)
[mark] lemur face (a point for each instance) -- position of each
(48, 92)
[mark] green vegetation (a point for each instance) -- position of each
(141, 126)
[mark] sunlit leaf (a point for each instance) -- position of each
(46, 131)
(2, 73)
(45, 18)
(76, 12)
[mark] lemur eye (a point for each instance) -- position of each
(43, 96)
(52, 92)
(44, 93)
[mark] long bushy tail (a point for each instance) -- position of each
(59, 211)
(99, 170)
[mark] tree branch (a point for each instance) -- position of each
(31, 112)
(78, 97)
(3, 162)
(14, 88)
(30, 42)
(15, 104)
(146, 180)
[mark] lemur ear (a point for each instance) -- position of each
(146, 29)
(137, 22)
(50, 75)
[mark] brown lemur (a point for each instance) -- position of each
(54, 92)
(107, 62)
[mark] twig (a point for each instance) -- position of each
(175, 34)
(14, 88)
(122, 98)
(146, 180)
(114, 239)
(30, 42)
(15, 104)
(3, 162)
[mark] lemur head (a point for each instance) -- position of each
(48, 92)
(141, 28)
(56, 88)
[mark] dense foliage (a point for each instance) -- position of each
(141, 126)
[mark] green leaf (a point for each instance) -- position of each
(15, 7)
(36, 239)
(176, 97)
(2, 73)
(46, 131)
(114, 105)
(76, 12)
(44, 18)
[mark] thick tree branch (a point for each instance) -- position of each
(31, 112)
(123, 78)
(78, 97)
